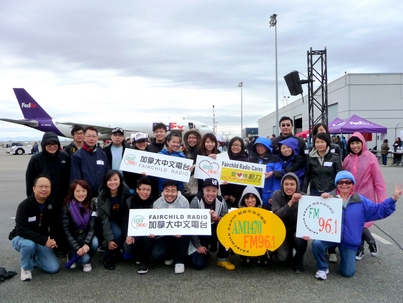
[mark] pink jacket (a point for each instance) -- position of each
(367, 173)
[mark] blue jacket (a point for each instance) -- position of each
(294, 163)
(273, 163)
(358, 211)
(91, 167)
(180, 154)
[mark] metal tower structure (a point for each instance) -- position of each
(317, 98)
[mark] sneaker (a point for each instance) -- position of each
(373, 248)
(322, 274)
(169, 262)
(299, 269)
(245, 260)
(143, 268)
(87, 267)
(332, 258)
(179, 268)
(26, 275)
(360, 254)
(109, 264)
(226, 264)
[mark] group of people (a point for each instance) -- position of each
(78, 198)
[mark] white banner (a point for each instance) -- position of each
(158, 165)
(236, 172)
(169, 221)
(319, 218)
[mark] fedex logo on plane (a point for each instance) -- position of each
(28, 105)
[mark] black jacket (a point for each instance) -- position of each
(56, 167)
(31, 225)
(133, 202)
(319, 175)
(74, 236)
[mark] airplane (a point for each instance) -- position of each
(36, 117)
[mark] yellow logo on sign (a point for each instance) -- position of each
(250, 231)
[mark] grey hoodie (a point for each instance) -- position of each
(250, 190)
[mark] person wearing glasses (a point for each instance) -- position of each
(90, 163)
(35, 230)
(286, 128)
(357, 209)
(134, 246)
(55, 164)
(78, 138)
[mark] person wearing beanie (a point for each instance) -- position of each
(322, 167)
(199, 245)
(369, 182)
(356, 210)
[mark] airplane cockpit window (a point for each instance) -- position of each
(191, 125)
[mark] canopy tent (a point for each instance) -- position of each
(356, 124)
(335, 122)
(303, 134)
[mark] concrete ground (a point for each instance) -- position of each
(377, 279)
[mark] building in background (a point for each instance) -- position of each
(375, 97)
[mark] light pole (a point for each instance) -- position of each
(240, 84)
(273, 23)
(213, 121)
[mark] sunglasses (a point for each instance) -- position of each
(345, 182)
(284, 125)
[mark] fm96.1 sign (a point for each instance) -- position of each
(319, 218)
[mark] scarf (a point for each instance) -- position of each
(88, 148)
(80, 217)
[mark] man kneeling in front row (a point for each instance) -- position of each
(36, 222)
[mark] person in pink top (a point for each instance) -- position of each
(369, 182)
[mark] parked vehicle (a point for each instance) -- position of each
(20, 149)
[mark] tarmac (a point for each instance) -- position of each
(377, 279)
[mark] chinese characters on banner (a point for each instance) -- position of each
(236, 172)
(169, 222)
(319, 218)
(157, 165)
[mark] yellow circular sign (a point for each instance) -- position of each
(250, 231)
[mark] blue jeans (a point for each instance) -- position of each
(117, 238)
(32, 254)
(384, 159)
(86, 258)
(347, 263)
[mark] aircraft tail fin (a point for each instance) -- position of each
(29, 107)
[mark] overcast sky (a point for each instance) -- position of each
(113, 60)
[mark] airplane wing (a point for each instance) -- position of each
(103, 131)
(25, 122)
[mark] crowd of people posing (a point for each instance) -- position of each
(78, 199)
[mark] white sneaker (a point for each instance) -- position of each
(179, 268)
(26, 275)
(169, 262)
(87, 267)
(322, 274)
(332, 258)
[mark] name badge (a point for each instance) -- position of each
(100, 162)
(32, 219)
(332, 150)
(327, 164)
(94, 214)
